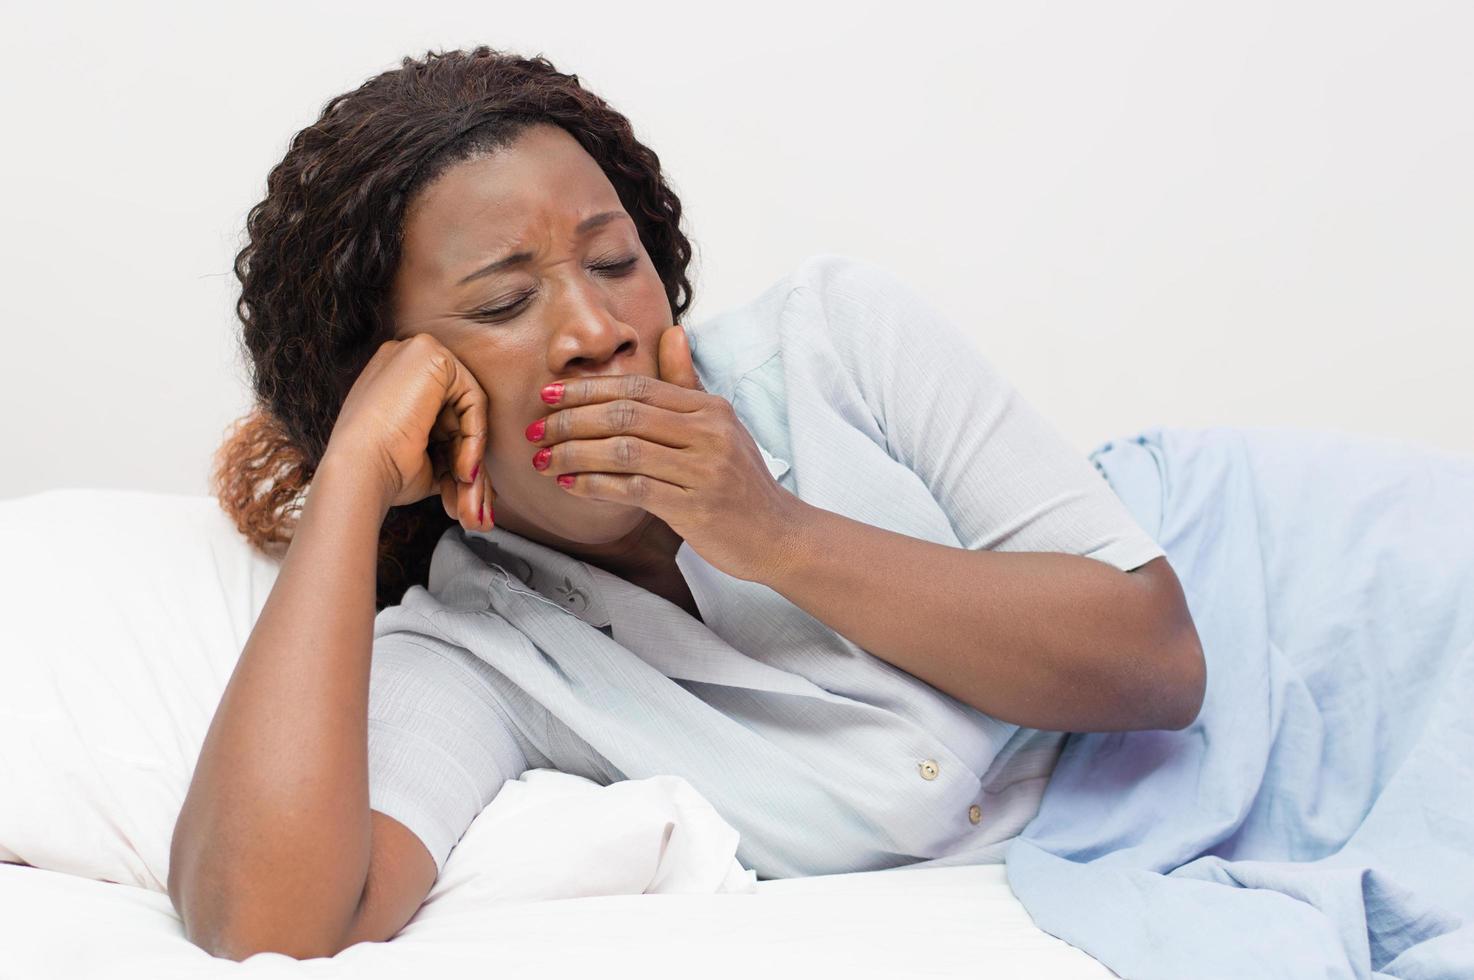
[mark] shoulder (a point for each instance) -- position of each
(835, 272)
(859, 314)
(825, 295)
(845, 288)
(857, 307)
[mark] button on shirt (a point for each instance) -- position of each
(863, 400)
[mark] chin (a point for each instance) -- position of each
(597, 520)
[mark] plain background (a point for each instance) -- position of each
(1145, 213)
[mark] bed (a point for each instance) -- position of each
(933, 922)
(125, 611)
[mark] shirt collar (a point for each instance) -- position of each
(571, 584)
(563, 580)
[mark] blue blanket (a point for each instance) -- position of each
(1317, 820)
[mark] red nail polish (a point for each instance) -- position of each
(565, 480)
(536, 429)
(541, 457)
(553, 393)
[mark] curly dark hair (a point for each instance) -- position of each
(324, 243)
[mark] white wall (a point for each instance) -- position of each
(1147, 213)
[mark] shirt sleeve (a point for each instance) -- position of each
(1007, 479)
(439, 748)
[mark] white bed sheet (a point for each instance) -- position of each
(102, 722)
(930, 922)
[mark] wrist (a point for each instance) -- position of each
(348, 478)
(784, 540)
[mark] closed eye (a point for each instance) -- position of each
(615, 270)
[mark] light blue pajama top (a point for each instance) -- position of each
(864, 401)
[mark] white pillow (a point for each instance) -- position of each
(123, 615)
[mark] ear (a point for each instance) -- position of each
(675, 361)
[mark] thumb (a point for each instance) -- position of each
(676, 365)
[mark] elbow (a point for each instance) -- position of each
(1185, 679)
(1164, 691)
(239, 947)
(218, 919)
(1175, 677)
(224, 929)
(240, 953)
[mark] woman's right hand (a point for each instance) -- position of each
(417, 418)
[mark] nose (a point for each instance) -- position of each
(588, 335)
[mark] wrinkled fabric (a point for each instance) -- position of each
(1315, 820)
(863, 400)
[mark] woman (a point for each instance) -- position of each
(815, 555)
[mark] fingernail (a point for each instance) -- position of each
(535, 430)
(553, 393)
(541, 457)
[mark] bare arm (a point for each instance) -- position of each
(275, 847)
(272, 845)
(1045, 640)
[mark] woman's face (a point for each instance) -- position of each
(567, 303)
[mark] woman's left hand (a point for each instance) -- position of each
(669, 447)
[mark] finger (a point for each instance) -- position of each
(469, 403)
(674, 361)
(469, 500)
(635, 387)
(421, 483)
(637, 490)
(473, 501)
(449, 488)
(612, 420)
(445, 422)
(622, 455)
(479, 511)
(439, 453)
(442, 438)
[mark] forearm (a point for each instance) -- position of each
(1040, 639)
(273, 840)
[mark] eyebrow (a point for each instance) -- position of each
(517, 258)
